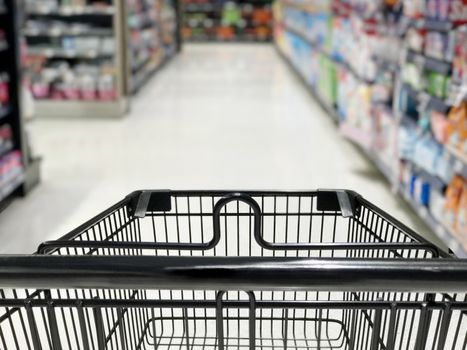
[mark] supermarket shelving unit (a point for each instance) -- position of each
(19, 172)
(112, 15)
(153, 38)
(140, 30)
(456, 159)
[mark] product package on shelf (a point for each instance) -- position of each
(455, 208)
(459, 55)
(384, 131)
(457, 128)
(11, 168)
(59, 80)
(6, 139)
(242, 20)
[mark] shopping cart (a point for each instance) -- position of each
(234, 270)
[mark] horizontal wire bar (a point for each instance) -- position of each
(211, 304)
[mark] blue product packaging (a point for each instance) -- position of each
(422, 192)
(411, 188)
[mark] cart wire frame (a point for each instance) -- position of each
(236, 270)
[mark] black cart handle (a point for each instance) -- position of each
(233, 273)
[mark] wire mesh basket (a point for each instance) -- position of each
(236, 270)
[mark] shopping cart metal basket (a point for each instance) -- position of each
(236, 270)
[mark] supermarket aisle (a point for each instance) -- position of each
(218, 116)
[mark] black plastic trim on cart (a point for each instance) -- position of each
(142, 202)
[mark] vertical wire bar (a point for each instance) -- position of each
(73, 321)
(435, 331)
(133, 333)
(44, 320)
(185, 328)
(220, 320)
(457, 332)
(121, 328)
(139, 321)
(403, 325)
(443, 333)
(285, 326)
(334, 229)
(226, 253)
(82, 325)
(203, 254)
(422, 328)
(354, 329)
(238, 254)
(190, 236)
(391, 331)
(154, 329)
(23, 326)
(252, 320)
(10, 322)
(376, 329)
(2, 337)
(107, 320)
(177, 225)
(53, 326)
(360, 332)
(464, 346)
(99, 328)
(156, 253)
(318, 331)
(33, 326)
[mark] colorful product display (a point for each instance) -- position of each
(455, 207)
(6, 139)
(209, 20)
(4, 90)
(152, 37)
(19, 168)
(13, 165)
(399, 70)
(10, 169)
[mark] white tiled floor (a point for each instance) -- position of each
(217, 117)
